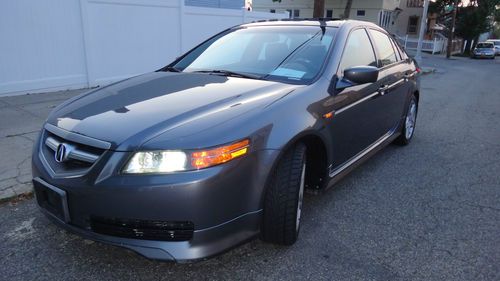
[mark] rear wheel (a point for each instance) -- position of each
(409, 123)
(283, 198)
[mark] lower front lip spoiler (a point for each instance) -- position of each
(205, 243)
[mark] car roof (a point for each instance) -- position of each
(329, 22)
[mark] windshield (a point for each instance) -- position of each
(485, 46)
(292, 54)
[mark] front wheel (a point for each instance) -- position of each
(283, 198)
(409, 123)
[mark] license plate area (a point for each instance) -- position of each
(52, 199)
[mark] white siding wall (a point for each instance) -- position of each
(66, 44)
(28, 60)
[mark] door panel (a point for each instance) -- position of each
(393, 97)
(392, 79)
(354, 126)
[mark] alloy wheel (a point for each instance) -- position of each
(301, 197)
(411, 117)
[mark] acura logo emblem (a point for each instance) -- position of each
(61, 153)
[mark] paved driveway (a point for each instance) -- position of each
(429, 211)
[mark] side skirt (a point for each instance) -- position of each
(337, 174)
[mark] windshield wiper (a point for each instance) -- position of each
(229, 73)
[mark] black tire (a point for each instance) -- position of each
(404, 138)
(283, 196)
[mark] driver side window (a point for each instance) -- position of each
(358, 51)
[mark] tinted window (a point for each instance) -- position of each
(485, 46)
(284, 53)
(358, 51)
(385, 50)
(396, 50)
(398, 47)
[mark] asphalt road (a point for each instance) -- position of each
(429, 211)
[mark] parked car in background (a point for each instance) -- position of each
(484, 50)
(218, 146)
(495, 42)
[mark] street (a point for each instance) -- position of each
(427, 211)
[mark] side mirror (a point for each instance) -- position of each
(361, 74)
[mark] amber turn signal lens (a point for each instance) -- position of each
(219, 155)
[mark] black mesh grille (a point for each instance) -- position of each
(143, 229)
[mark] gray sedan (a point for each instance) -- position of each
(218, 147)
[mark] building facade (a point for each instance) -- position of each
(407, 22)
(381, 12)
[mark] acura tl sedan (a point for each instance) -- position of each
(218, 147)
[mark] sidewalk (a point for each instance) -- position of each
(21, 118)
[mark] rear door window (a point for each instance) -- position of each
(385, 50)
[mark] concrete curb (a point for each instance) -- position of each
(18, 197)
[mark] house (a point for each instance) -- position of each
(381, 12)
(407, 22)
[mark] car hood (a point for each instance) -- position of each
(133, 111)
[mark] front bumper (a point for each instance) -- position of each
(484, 55)
(224, 203)
(204, 244)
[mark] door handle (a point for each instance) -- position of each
(383, 89)
(409, 75)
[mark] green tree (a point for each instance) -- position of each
(476, 19)
(473, 19)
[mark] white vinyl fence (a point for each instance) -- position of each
(433, 46)
(438, 45)
(68, 44)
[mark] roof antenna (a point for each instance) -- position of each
(322, 24)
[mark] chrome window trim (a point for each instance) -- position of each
(356, 103)
(402, 80)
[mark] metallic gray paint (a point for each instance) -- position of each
(166, 110)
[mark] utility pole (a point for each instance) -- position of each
(319, 9)
(423, 25)
(452, 30)
(347, 10)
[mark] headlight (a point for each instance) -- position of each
(156, 162)
(176, 160)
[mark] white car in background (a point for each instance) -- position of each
(496, 42)
(484, 50)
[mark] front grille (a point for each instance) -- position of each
(143, 229)
(78, 159)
